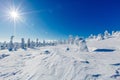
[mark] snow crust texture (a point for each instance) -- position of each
(63, 62)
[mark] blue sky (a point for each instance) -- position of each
(56, 19)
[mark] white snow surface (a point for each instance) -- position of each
(58, 63)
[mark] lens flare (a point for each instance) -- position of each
(14, 15)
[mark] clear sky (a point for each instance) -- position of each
(56, 19)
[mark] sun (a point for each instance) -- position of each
(14, 14)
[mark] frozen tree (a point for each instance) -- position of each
(44, 43)
(16, 46)
(83, 46)
(3, 45)
(32, 44)
(100, 37)
(28, 43)
(40, 44)
(106, 34)
(11, 45)
(116, 34)
(70, 39)
(76, 41)
(22, 43)
(113, 32)
(94, 37)
(37, 43)
(91, 36)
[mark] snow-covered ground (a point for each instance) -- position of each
(63, 62)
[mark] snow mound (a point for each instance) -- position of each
(3, 56)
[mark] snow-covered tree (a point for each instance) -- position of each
(3, 46)
(113, 32)
(32, 44)
(106, 34)
(44, 43)
(16, 46)
(100, 37)
(76, 41)
(11, 45)
(94, 37)
(91, 36)
(83, 46)
(70, 39)
(40, 44)
(22, 43)
(28, 43)
(37, 43)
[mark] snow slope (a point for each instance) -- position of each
(63, 62)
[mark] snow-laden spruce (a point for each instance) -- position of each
(100, 37)
(11, 44)
(76, 41)
(70, 40)
(106, 35)
(23, 43)
(83, 46)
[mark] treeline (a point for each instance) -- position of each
(14, 46)
(105, 35)
(78, 41)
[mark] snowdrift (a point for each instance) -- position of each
(63, 62)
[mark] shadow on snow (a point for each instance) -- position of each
(104, 50)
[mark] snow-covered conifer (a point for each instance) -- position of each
(91, 36)
(11, 45)
(22, 43)
(32, 44)
(28, 43)
(70, 39)
(100, 37)
(76, 41)
(37, 43)
(44, 43)
(3, 45)
(83, 46)
(113, 32)
(106, 34)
